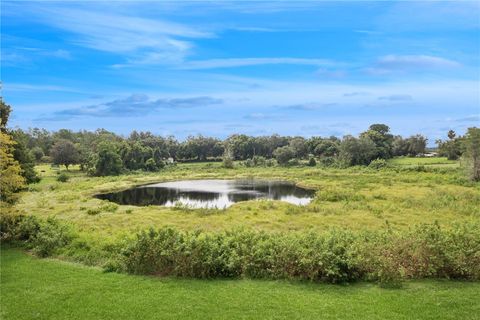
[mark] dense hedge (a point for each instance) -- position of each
(425, 251)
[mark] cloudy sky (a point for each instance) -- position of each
(294, 68)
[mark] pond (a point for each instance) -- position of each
(210, 193)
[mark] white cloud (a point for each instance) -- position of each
(24, 87)
(242, 62)
(401, 63)
(141, 40)
(415, 61)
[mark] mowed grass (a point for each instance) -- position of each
(434, 161)
(33, 288)
(353, 198)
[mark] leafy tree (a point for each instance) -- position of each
(227, 161)
(134, 155)
(5, 110)
(472, 152)
(151, 165)
(357, 151)
(24, 156)
(326, 148)
(20, 152)
(400, 146)
(383, 140)
(108, 161)
(299, 146)
(201, 148)
(241, 146)
(40, 138)
(416, 144)
(64, 153)
(10, 171)
(271, 143)
(11, 179)
(65, 134)
(37, 153)
(452, 148)
(284, 154)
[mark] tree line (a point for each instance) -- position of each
(102, 152)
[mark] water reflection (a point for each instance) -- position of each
(209, 193)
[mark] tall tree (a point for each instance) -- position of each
(24, 156)
(451, 148)
(108, 161)
(472, 152)
(416, 144)
(299, 146)
(10, 172)
(11, 179)
(381, 137)
(357, 151)
(64, 153)
(284, 154)
(5, 110)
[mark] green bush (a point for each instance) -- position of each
(293, 162)
(151, 165)
(109, 207)
(50, 237)
(249, 163)
(256, 161)
(312, 162)
(161, 164)
(378, 164)
(17, 227)
(63, 177)
(259, 161)
(43, 237)
(284, 154)
(335, 256)
(227, 163)
(93, 211)
(270, 162)
(327, 161)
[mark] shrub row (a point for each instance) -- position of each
(425, 251)
(333, 256)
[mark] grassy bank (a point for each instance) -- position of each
(49, 289)
(353, 198)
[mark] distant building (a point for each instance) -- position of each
(428, 155)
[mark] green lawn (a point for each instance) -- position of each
(34, 288)
(435, 161)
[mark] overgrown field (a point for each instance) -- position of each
(385, 225)
(50, 289)
(356, 198)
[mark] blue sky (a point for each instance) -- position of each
(294, 68)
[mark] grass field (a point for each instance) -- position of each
(353, 198)
(437, 162)
(35, 288)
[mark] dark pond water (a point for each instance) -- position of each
(209, 193)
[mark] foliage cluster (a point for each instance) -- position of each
(425, 251)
